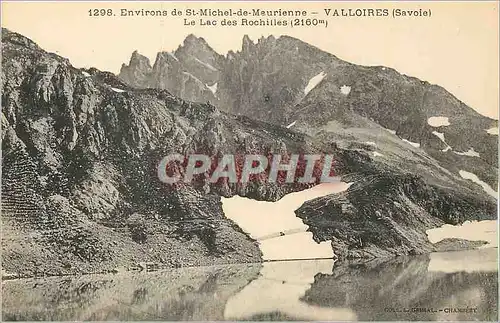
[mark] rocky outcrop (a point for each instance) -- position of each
(387, 214)
(80, 192)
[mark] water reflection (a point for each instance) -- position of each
(181, 294)
(414, 288)
(279, 289)
(305, 290)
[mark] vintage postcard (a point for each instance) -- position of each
(249, 161)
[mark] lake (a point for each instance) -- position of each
(458, 286)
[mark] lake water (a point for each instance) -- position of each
(429, 287)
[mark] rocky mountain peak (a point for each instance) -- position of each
(137, 71)
(192, 40)
(15, 38)
(262, 46)
(247, 44)
(138, 59)
(197, 47)
(165, 57)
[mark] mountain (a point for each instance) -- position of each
(288, 82)
(196, 83)
(80, 191)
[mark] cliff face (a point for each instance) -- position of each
(77, 149)
(80, 191)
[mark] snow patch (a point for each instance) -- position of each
(493, 131)
(377, 154)
(193, 77)
(314, 81)
(438, 121)
(390, 131)
(446, 149)
(117, 90)
(345, 90)
(469, 152)
(172, 55)
(469, 230)
(85, 74)
(475, 179)
(284, 236)
(371, 143)
(414, 144)
(210, 67)
(291, 124)
(213, 88)
(441, 136)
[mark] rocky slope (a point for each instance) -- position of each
(288, 82)
(79, 186)
(387, 215)
(80, 191)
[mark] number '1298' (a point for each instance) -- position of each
(100, 12)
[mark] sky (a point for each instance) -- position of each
(457, 47)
